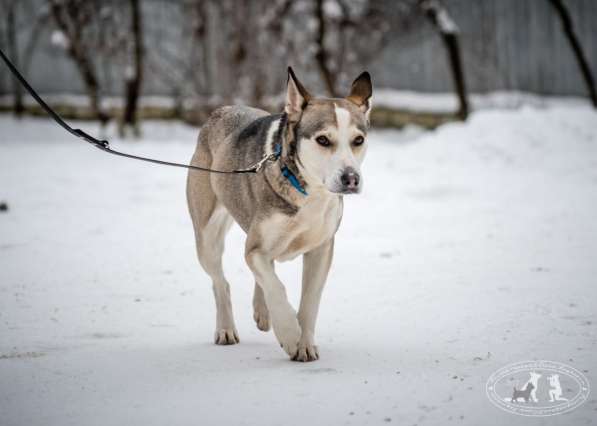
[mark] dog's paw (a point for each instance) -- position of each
(290, 347)
(261, 317)
(226, 336)
(288, 336)
(306, 353)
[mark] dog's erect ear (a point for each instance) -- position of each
(360, 93)
(297, 97)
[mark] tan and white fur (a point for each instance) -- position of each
(323, 145)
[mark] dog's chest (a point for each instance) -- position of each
(314, 224)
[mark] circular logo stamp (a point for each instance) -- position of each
(537, 388)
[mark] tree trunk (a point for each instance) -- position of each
(134, 80)
(13, 51)
(78, 53)
(321, 55)
(568, 28)
(441, 20)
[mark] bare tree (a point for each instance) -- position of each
(40, 25)
(441, 20)
(348, 34)
(134, 73)
(568, 27)
(200, 50)
(10, 6)
(321, 54)
(72, 17)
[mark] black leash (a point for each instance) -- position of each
(104, 145)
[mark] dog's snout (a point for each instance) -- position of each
(350, 179)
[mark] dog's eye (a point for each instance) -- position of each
(359, 140)
(323, 141)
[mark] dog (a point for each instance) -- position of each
(524, 394)
(555, 394)
(292, 207)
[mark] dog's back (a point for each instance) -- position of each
(223, 125)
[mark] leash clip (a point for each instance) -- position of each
(102, 144)
(267, 157)
(259, 165)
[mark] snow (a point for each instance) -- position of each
(59, 39)
(332, 9)
(82, 101)
(472, 246)
(445, 23)
(448, 102)
(129, 73)
(384, 97)
(443, 20)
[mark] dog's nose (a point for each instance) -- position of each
(350, 179)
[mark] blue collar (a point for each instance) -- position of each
(293, 180)
(287, 173)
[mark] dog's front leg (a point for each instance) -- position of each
(316, 265)
(283, 315)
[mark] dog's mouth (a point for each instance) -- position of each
(345, 191)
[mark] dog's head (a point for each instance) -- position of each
(330, 134)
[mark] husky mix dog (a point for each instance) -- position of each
(292, 207)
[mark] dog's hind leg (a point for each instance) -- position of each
(210, 247)
(211, 221)
(260, 311)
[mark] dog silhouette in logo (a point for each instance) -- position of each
(534, 380)
(524, 394)
(555, 393)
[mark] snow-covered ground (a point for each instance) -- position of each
(472, 246)
(384, 97)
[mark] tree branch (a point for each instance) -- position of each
(441, 20)
(321, 55)
(568, 27)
